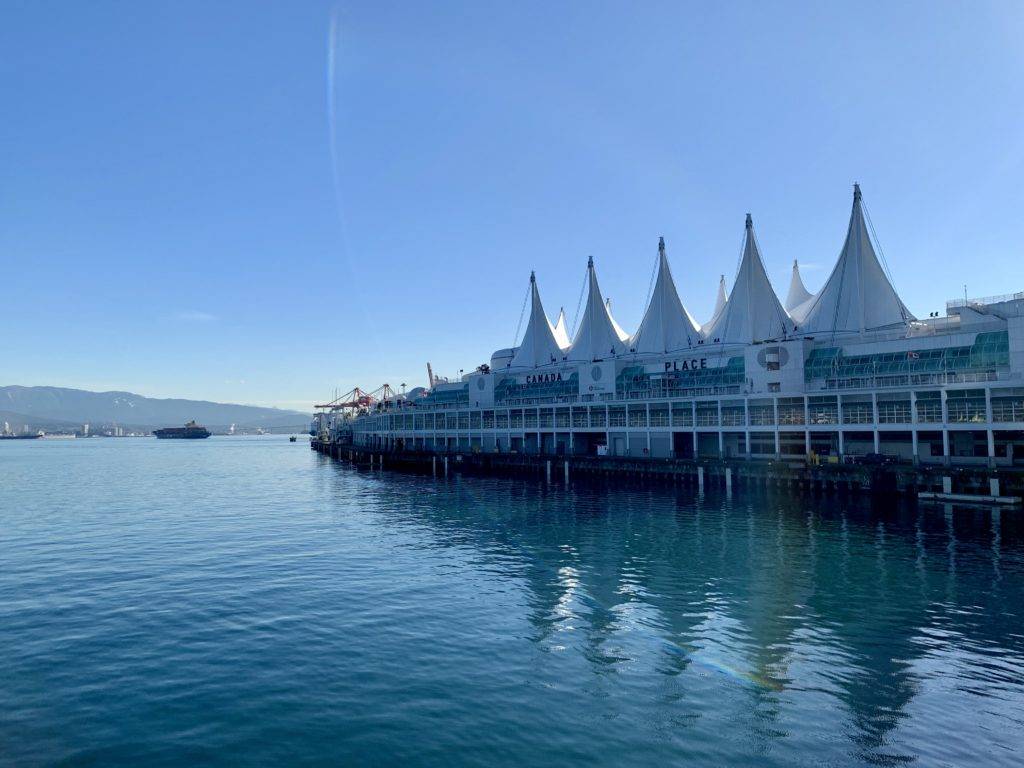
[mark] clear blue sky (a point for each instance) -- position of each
(172, 221)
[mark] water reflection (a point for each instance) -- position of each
(887, 628)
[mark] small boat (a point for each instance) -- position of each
(292, 439)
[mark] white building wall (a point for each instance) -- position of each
(1015, 326)
(777, 363)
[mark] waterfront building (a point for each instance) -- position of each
(843, 372)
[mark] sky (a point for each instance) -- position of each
(268, 203)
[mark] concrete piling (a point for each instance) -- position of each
(773, 476)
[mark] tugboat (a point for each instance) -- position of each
(190, 431)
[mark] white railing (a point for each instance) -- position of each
(983, 300)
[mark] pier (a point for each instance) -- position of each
(968, 482)
(842, 389)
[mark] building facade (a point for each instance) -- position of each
(844, 372)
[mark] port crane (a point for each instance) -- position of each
(357, 399)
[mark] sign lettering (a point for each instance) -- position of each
(543, 378)
(694, 364)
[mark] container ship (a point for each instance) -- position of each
(847, 372)
(9, 434)
(190, 431)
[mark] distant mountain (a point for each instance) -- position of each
(77, 406)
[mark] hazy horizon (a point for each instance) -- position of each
(267, 204)
(115, 390)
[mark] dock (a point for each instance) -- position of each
(971, 484)
(970, 498)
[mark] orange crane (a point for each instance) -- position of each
(357, 398)
(354, 398)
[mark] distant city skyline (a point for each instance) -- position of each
(265, 205)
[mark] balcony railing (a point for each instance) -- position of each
(733, 418)
(1007, 411)
(659, 418)
(965, 412)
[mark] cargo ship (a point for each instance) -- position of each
(9, 434)
(190, 431)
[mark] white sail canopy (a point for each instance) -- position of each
(722, 296)
(720, 300)
(561, 331)
(539, 345)
(857, 296)
(623, 336)
(596, 337)
(666, 325)
(798, 294)
(752, 312)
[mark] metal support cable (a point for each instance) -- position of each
(650, 284)
(579, 303)
(885, 263)
(522, 311)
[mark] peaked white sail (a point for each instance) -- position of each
(596, 338)
(857, 296)
(539, 345)
(720, 300)
(722, 296)
(798, 294)
(623, 336)
(666, 325)
(752, 312)
(561, 331)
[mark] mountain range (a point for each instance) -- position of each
(47, 407)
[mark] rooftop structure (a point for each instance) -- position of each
(752, 312)
(561, 331)
(858, 296)
(667, 325)
(720, 298)
(844, 370)
(597, 337)
(798, 295)
(539, 345)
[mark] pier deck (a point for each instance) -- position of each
(851, 478)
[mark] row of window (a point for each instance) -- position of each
(989, 350)
(963, 406)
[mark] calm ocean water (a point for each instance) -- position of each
(244, 601)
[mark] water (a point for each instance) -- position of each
(248, 602)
